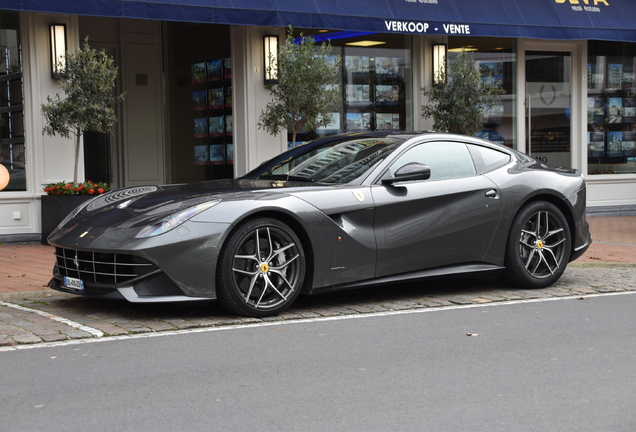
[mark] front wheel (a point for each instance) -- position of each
(538, 247)
(261, 268)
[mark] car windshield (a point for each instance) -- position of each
(334, 160)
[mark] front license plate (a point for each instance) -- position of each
(73, 283)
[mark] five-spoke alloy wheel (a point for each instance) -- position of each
(538, 246)
(261, 268)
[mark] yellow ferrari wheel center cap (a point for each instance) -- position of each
(264, 268)
(539, 244)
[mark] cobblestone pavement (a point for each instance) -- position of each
(48, 316)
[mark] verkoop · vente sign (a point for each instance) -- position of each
(420, 27)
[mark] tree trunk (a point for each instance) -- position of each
(78, 136)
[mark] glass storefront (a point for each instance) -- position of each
(548, 106)
(611, 108)
(376, 82)
(496, 59)
(199, 105)
(12, 155)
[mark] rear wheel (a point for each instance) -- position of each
(261, 268)
(538, 248)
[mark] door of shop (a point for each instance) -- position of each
(548, 105)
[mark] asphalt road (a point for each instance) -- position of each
(545, 365)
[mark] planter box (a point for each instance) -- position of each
(55, 208)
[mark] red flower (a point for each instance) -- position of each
(100, 190)
(91, 191)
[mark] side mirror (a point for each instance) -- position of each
(409, 172)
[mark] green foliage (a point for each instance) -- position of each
(456, 103)
(88, 82)
(306, 93)
(84, 188)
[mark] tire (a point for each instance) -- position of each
(261, 268)
(538, 248)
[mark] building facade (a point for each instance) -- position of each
(193, 77)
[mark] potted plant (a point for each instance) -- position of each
(457, 101)
(305, 95)
(88, 82)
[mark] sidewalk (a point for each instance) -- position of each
(28, 267)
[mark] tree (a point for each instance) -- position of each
(88, 82)
(306, 94)
(456, 104)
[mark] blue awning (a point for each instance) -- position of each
(543, 19)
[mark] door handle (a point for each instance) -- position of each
(492, 193)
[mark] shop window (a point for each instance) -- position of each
(12, 151)
(200, 94)
(376, 83)
(496, 60)
(611, 108)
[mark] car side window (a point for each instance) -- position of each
(445, 159)
(487, 159)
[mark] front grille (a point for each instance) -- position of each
(102, 268)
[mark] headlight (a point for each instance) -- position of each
(174, 220)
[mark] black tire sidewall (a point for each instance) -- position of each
(515, 272)
(227, 293)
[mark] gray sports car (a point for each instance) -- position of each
(335, 213)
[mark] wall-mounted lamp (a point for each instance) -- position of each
(270, 50)
(58, 49)
(439, 63)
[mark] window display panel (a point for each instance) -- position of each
(200, 108)
(611, 108)
(12, 151)
(376, 83)
(496, 59)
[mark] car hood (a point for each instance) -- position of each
(140, 206)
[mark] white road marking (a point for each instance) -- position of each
(91, 330)
(301, 321)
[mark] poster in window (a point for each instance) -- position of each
(491, 73)
(357, 64)
(387, 65)
(358, 94)
(595, 144)
(198, 73)
(615, 76)
(357, 122)
(387, 121)
(387, 95)
(201, 155)
(332, 128)
(228, 97)
(215, 98)
(629, 110)
(217, 154)
(627, 81)
(215, 70)
(229, 154)
(627, 145)
(615, 143)
(198, 100)
(200, 128)
(229, 125)
(227, 68)
(215, 128)
(615, 110)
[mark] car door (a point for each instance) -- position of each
(448, 219)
